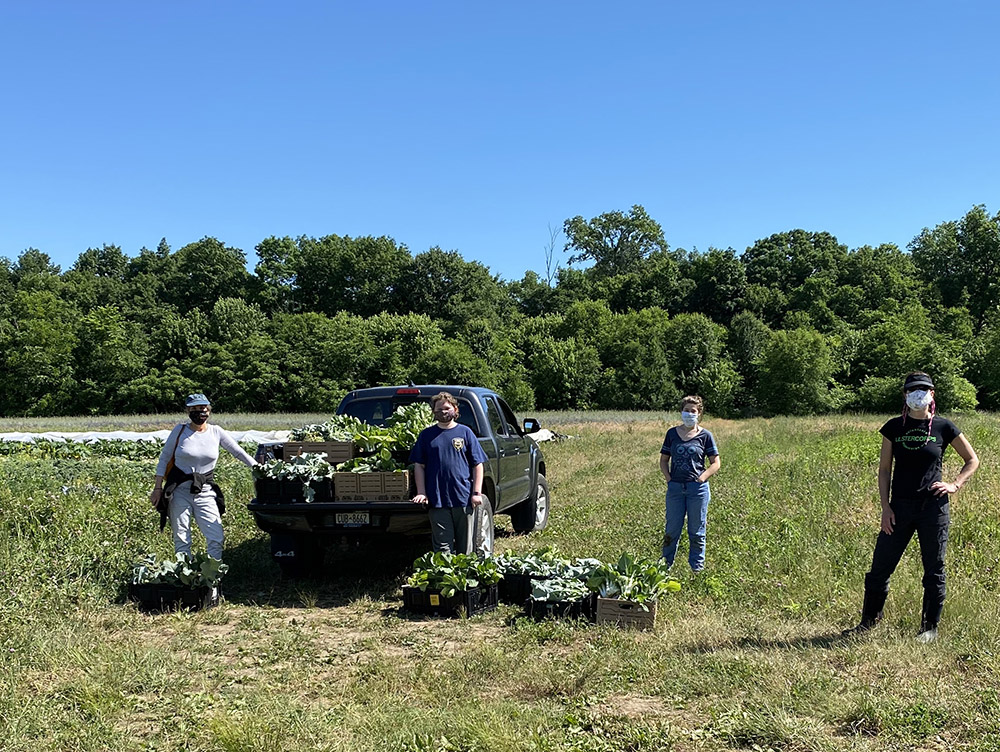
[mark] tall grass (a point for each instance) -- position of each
(746, 656)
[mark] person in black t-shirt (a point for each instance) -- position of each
(915, 501)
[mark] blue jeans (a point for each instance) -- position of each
(689, 499)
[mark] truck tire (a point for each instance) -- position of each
(484, 532)
(532, 514)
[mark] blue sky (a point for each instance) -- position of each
(477, 127)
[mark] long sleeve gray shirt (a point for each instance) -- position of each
(198, 451)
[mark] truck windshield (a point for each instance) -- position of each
(375, 410)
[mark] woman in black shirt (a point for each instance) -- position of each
(916, 500)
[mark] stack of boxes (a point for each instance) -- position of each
(371, 486)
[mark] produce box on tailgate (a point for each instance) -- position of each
(396, 486)
(369, 485)
(345, 486)
(627, 614)
(335, 451)
(374, 486)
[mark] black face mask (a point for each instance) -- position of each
(197, 417)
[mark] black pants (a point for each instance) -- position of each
(928, 518)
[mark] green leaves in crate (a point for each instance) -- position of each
(399, 434)
(381, 461)
(304, 467)
(337, 428)
(559, 590)
(639, 580)
(182, 571)
(452, 573)
(546, 562)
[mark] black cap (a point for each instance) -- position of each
(915, 380)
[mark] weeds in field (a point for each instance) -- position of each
(745, 656)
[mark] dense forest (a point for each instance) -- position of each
(795, 324)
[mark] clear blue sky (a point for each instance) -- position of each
(478, 126)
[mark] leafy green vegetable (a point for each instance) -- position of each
(308, 468)
(382, 461)
(559, 589)
(639, 580)
(452, 573)
(183, 571)
(399, 434)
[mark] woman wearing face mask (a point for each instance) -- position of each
(915, 501)
(187, 465)
(682, 462)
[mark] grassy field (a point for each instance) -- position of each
(746, 656)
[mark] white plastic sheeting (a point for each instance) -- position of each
(260, 437)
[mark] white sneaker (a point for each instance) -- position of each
(928, 635)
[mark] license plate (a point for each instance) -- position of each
(352, 519)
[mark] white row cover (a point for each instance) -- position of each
(250, 437)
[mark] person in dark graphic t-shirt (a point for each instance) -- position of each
(915, 500)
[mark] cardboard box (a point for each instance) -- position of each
(396, 486)
(345, 486)
(626, 614)
(370, 485)
(335, 451)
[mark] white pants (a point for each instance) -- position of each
(206, 513)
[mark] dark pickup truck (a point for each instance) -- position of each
(514, 482)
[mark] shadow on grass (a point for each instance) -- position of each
(822, 641)
(369, 571)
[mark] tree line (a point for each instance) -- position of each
(795, 324)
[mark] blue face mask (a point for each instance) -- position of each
(918, 399)
(689, 419)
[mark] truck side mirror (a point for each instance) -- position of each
(531, 425)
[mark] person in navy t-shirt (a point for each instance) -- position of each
(686, 448)
(448, 470)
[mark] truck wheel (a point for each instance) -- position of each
(532, 514)
(482, 536)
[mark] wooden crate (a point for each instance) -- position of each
(345, 486)
(627, 614)
(335, 451)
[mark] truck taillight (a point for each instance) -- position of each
(407, 391)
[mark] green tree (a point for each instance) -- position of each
(719, 284)
(961, 262)
(796, 374)
(451, 290)
(452, 362)
(564, 373)
(97, 278)
(323, 357)
(276, 270)
(361, 276)
(615, 242)
(145, 297)
(205, 271)
(235, 320)
(110, 352)
(399, 341)
(34, 270)
(36, 355)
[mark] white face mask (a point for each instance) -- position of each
(918, 399)
(689, 419)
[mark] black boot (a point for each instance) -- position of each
(871, 612)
